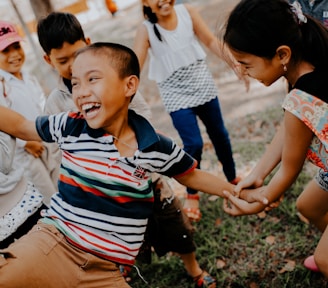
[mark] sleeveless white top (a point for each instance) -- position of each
(178, 48)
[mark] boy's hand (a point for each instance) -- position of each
(238, 207)
(35, 148)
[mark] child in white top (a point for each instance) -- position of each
(24, 95)
(177, 63)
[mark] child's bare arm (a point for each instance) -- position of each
(206, 182)
(238, 207)
(16, 125)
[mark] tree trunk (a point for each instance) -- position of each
(41, 8)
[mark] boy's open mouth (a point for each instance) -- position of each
(90, 108)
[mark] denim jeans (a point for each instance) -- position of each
(186, 123)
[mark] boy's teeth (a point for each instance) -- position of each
(89, 106)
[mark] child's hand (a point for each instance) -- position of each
(249, 182)
(254, 195)
(238, 207)
(35, 148)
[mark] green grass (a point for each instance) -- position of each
(240, 242)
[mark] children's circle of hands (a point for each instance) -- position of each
(248, 198)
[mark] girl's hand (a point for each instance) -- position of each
(248, 182)
(35, 148)
(238, 207)
(254, 195)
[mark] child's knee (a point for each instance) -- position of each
(301, 206)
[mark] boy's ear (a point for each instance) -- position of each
(47, 59)
(88, 41)
(131, 87)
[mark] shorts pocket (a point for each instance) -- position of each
(46, 237)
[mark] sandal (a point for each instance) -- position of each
(193, 213)
(310, 264)
(235, 181)
(204, 280)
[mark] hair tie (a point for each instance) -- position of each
(297, 10)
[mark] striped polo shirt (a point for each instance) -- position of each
(104, 199)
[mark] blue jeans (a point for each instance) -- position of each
(185, 121)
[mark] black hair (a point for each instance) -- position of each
(259, 27)
(57, 28)
(121, 58)
(152, 18)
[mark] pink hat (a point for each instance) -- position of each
(8, 35)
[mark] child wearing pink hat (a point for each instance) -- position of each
(23, 93)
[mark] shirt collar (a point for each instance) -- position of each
(145, 133)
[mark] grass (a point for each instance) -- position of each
(255, 251)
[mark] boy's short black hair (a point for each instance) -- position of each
(121, 58)
(57, 28)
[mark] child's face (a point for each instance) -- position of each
(98, 92)
(160, 7)
(266, 71)
(12, 59)
(62, 58)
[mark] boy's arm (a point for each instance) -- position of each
(205, 35)
(16, 125)
(206, 182)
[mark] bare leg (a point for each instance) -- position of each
(320, 254)
(191, 265)
(312, 204)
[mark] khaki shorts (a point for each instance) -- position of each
(43, 258)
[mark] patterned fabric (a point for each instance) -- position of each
(314, 113)
(188, 87)
(104, 199)
(322, 179)
(27, 206)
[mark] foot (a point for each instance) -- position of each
(204, 280)
(191, 207)
(310, 264)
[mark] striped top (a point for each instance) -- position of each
(104, 199)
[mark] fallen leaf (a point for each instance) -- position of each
(220, 263)
(289, 266)
(270, 239)
(218, 222)
(261, 215)
(302, 218)
(213, 198)
(253, 285)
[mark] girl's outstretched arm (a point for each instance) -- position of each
(16, 125)
(141, 44)
(205, 35)
(297, 139)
